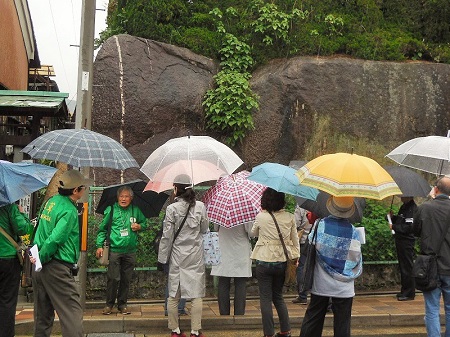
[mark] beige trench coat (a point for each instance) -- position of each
(186, 265)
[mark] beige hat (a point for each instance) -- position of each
(342, 207)
(72, 179)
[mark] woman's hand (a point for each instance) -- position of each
(135, 227)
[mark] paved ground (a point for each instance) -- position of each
(372, 315)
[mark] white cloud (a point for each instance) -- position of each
(56, 26)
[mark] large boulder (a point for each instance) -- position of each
(146, 92)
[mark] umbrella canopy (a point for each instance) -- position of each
(150, 203)
(344, 174)
(296, 164)
(282, 179)
(233, 200)
(81, 148)
(429, 154)
(319, 206)
(18, 180)
(164, 178)
(201, 158)
(410, 183)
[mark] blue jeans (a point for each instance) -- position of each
(432, 307)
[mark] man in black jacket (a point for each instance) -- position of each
(402, 224)
(431, 223)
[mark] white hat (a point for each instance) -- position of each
(72, 179)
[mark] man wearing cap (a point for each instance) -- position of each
(431, 223)
(338, 263)
(58, 241)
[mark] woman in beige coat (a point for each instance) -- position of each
(185, 256)
(270, 259)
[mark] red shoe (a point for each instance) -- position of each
(199, 335)
(181, 334)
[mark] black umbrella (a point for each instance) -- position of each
(149, 202)
(319, 207)
(411, 183)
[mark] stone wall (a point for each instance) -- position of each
(150, 284)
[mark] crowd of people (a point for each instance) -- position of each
(280, 236)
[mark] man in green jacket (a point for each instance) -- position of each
(14, 222)
(58, 240)
(125, 220)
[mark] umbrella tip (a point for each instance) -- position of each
(352, 150)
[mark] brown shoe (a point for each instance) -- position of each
(106, 310)
(124, 311)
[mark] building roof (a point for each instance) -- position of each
(24, 103)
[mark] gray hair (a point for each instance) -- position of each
(125, 188)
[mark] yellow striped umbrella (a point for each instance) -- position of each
(345, 174)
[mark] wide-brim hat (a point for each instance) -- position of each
(342, 207)
(72, 179)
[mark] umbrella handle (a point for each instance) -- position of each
(392, 201)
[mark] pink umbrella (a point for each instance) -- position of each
(233, 200)
(163, 179)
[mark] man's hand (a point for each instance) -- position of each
(99, 253)
(135, 227)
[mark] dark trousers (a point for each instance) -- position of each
(270, 284)
(405, 256)
(301, 265)
(240, 294)
(312, 324)
(54, 289)
(9, 290)
(120, 272)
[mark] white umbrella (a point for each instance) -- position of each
(429, 154)
(200, 158)
(81, 148)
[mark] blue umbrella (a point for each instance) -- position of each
(18, 180)
(281, 178)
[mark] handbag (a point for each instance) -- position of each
(290, 275)
(104, 259)
(211, 248)
(425, 270)
(307, 277)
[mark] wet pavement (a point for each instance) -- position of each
(372, 315)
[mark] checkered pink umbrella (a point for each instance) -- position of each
(233, 200)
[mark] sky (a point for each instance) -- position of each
(56, 26)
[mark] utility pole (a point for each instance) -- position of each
(83, 116)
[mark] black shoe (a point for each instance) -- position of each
(279, 334)
(299, 300)
(405, 298)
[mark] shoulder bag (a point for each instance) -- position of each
(104, 259)
(425, 270)
(291, 264)
(307, 276)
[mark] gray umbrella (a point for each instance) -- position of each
(319, 206)
(81, 148)
(410, 183)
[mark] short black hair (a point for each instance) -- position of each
(272, 200)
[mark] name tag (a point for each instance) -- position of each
(410, 220)
(124, 232)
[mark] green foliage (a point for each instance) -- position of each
(229, 106)
(379, 244)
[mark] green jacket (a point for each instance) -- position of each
(122, 238)
(14, 223)
(58, 233)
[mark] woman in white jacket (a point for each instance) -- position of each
(184, 254)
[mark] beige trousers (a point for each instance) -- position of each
(196, 312)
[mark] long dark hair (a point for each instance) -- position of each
(272, 201)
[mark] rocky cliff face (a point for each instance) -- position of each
(146, 92)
